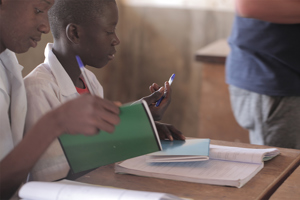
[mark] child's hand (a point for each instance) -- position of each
(87, 115)
(168, 131)
(157, 93)
(118, 103)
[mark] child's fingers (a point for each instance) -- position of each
(118, 103)
(176, 133)
(107, 105)
(154, 97)
(154, 87)
(167, 90)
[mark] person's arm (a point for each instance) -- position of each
(86, 114)
(275, 11)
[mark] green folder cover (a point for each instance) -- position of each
(135, 135)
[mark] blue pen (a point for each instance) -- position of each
(170, 83)
(81, 66)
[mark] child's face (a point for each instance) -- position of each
(23, 22)
(99, 39)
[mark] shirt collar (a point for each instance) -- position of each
(63, 79)
(10, 62)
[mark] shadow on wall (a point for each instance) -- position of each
(156, 42)
(34, 56)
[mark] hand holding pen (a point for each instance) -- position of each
(162, 94)
(170, 83)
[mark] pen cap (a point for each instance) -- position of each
(171, 79)
(81, 66)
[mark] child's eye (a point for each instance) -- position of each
(38, 11)
(110, 32)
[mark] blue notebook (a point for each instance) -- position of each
(190, 150)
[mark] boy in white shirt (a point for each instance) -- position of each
(21, 25)
(87, 29)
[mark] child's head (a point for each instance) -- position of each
(87, 28)
(22, 23)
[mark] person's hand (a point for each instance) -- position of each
(157, 93)
(87, 115)
(168, 131)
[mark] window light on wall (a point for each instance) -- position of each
(204, 4)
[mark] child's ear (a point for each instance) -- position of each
(72, 32)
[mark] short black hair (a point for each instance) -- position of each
(79, 12)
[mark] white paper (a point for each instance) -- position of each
(68, 191)
(241, 154)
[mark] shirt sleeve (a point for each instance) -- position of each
(41, 98)
(6, 142)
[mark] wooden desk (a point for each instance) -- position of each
(290, 189)
(261, 186)
(216, 120)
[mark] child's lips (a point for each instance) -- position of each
(34, 41)
(111, 56)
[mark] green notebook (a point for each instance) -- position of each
(135, 135)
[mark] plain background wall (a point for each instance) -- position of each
(156, 42)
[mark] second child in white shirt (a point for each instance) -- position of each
(90, 34)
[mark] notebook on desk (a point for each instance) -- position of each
(181, 151)
(227, 166)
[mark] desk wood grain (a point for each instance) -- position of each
(262, 186)
(290, 189)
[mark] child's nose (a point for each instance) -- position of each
(116, 41)
(44, 26)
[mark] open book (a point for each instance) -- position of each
(135, 135)
(78, 191)
(227, 166)
(181, 151)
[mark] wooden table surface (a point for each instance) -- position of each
(262, 186)
(290, 189)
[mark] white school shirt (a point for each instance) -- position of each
(13, 104)
(47, 87)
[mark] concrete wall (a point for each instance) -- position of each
(156, 42)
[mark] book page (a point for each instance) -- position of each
(61, 191)
(217, 172)
(241, 154)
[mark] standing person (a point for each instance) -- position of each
(91, 35)
(21, 25)
(263, 71)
